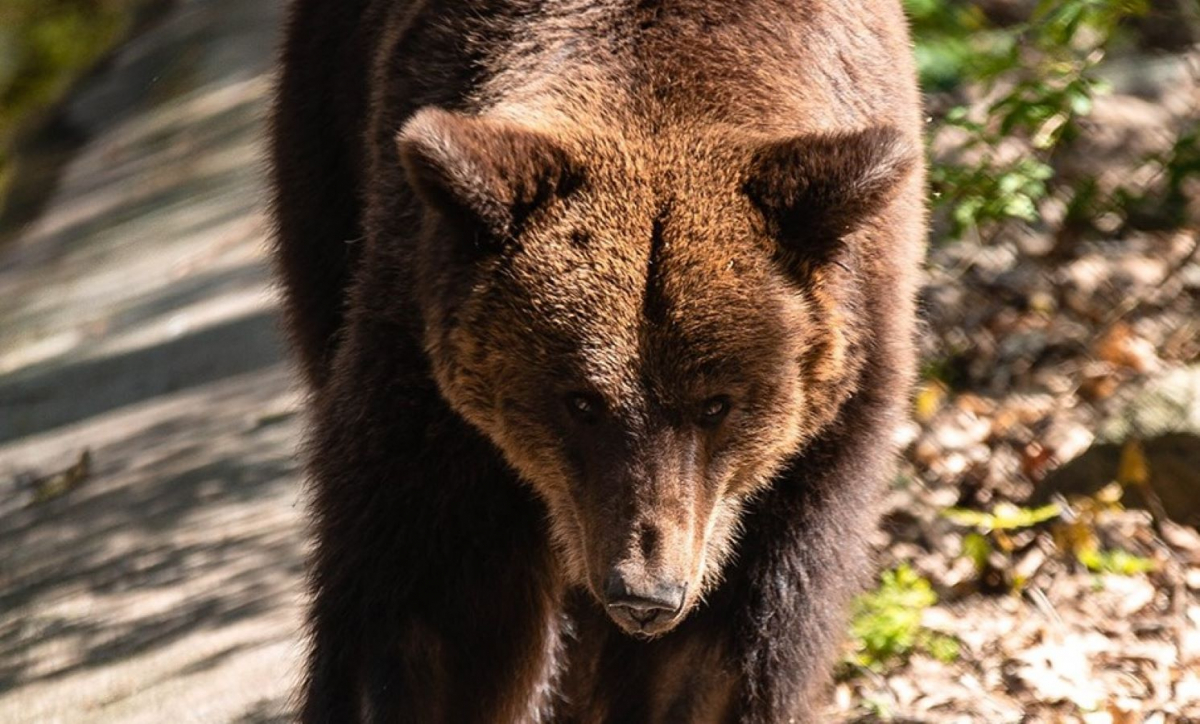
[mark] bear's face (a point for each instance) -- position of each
(647, 337)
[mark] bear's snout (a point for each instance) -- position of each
(643, 606)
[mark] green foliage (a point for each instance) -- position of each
(977, 548)
(1034, 81)
(991, 191)
(44, 46)
(1004, 517)
(877, 708)
(1076, 534)
(886, 627)
(48, 42)
(953, 40)
(1116, 562)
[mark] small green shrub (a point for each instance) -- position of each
(886, 627)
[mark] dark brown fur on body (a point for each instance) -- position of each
(590, 292)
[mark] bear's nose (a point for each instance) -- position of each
(644, 603)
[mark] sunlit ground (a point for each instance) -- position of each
(163, 584)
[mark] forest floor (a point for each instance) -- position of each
(151, 533)
(1043, 527)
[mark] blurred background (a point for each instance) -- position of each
(1039, 561)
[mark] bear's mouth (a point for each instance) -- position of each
(644, 624)
(646, 610)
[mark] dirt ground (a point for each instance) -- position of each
(138, 326)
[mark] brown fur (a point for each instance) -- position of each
(583, 224)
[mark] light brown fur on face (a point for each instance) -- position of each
(648, 279)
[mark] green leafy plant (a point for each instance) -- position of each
(1034, 81)
(886, 626)
(952, 41)
(1116, 562)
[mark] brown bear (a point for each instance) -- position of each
(606, 308)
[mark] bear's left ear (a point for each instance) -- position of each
(488, 172)
(814, 190)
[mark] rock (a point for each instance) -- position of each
(1165, 403)
(1173, 462)
(1160, 420)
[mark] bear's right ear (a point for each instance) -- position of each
(492, 173)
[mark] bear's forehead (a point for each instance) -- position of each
(666, 290)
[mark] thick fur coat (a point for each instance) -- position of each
(606, 309)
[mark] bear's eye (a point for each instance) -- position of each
(714, 410)
(583, 407)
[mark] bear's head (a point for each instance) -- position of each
(648, 329)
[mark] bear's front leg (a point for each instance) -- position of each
(435, 597)
(375, 660)
(804, 557)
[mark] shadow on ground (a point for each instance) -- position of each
(164, 584)
(186, 531)
(33, 398)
